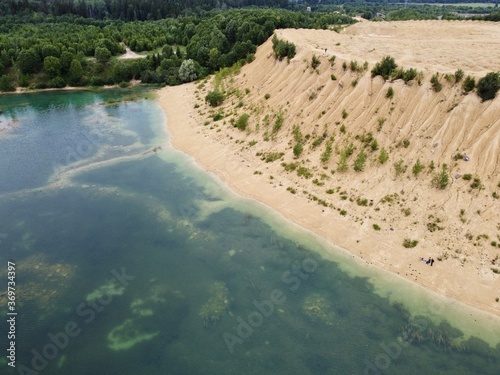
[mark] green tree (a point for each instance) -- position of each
(75, 72)
(121, 72)
(66, 59)
(213, 58)
(359, 163)
(187, 71)
(28, 61)
(488, 86)
(102, 54)
(50, 50)
(6, 84)
(52, 66)
(167, 52)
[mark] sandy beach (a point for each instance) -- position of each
(457, 226)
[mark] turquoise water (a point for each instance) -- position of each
(129, 260)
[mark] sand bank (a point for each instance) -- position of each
(222, 158)
(465, 274)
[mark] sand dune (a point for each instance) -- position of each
(458, 225)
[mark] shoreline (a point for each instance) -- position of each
(213, 152)
(25, 90)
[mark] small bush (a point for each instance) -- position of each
(408, 243)
(304, 172)
(242, 121)
(329, 191)
(476, 183)
(325, 155)
(297, 150)
(333, 77)
(436, 85)
(272, 156)
(214, 98)
(278, 123)
(342, 164)
(399, 167)
(390, 93)
(469, 84)
(283, 49)
(218, 116)
(315, 62)
(488, 86)
(459, 74)
(362, 202)
(289, 167)
(467, 177)
(376, 227)
(385, 67)
(381, 122)
(441, 179)
(267, 96)
(359, 163)
(383, 156)
(405, 75)
(417, 168)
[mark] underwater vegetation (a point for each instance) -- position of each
(317, 307)
(43, 283)
(212, 311)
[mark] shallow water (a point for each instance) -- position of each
(189, 279)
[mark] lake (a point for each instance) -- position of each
(129, 259)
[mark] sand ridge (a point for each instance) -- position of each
(436, 126)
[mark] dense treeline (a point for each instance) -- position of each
(399, 11)
(127, 10)
(39, 51)
(141, 10)
(455, 2)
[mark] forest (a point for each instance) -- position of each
(40, 51)
(142, 10)
(55, 43)
(128, 10)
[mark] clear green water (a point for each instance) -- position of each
(215, 285)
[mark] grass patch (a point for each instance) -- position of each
(409, 243)
(304, 172)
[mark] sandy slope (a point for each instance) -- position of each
(437, 126)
